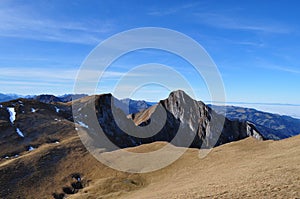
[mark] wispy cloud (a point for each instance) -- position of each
(251, 43)
(20, 22)
(37, 73)
(284, 69)
(226, 21)
(56, 78)
(58, 74)
(171, 10)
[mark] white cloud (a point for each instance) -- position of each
(21, 79)
(286, 69)
(282, 68)
(20, 22)
(47, 74)
(225, 21)
(171, 10)
(58, 74)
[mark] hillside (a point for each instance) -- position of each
(247, 168)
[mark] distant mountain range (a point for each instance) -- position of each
(34, 119)
(271, 126)
(42, 98)
(127, 105)
(8, 97)
(130, 106)
(53, 98)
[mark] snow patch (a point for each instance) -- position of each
(83, 125)
(30, 148)
(21, 103)
(33, 110)
(12, 114)
(56, 142)
(1, 106)
(57, 109)
(20, 133)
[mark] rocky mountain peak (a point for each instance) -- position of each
(198, 121)
(183, 107)
(177, 98)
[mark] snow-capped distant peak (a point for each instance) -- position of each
(12, 114)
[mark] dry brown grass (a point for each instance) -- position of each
(243, 169)
(248, 168)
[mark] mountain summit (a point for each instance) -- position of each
(195, 121)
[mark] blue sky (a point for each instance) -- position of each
(255, 44)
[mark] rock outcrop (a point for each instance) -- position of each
(197, 121)
(178, 119)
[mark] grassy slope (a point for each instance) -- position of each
(249, 167)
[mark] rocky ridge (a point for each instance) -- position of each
(197, 120)
(178, 119)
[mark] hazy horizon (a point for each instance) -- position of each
(292, 110)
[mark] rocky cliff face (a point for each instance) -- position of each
(196, 121)
(178, 119)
